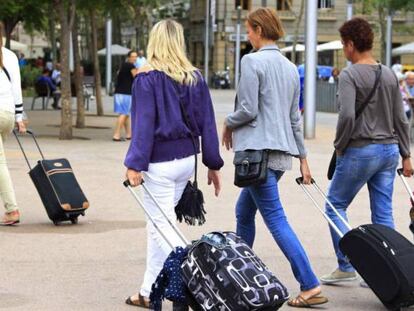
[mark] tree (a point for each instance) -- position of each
(383, 8)
(78, 77)
(31, 12)
(299, 18)
(66, 24)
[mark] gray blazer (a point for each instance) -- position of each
(267, 114)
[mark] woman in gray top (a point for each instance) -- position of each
(368, 147)
(267, 117)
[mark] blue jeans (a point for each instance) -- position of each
(374, 165)
(265, 198)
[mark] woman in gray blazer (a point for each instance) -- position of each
(267, 117)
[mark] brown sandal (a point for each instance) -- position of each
(300, 302)
(141, 302)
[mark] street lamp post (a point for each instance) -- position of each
(389, 39)
(237, 54)
(349, 10)
(108, 55)
(264, 3)
(206, 41)
(310, 68)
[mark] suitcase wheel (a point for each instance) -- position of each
(74, 220)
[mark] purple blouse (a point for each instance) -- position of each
(159, 133)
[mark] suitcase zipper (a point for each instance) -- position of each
(379, 238)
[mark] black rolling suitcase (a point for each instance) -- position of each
(57, 186)
(222, 273)
(382, 256)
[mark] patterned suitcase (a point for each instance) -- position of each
(222, 273)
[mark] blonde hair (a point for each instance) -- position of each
(166, 52)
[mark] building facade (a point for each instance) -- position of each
(223, 20)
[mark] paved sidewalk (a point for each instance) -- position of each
(96, 264)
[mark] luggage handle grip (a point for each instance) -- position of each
(21, 146)
(405, 183)
(127, 184)
(319, 190)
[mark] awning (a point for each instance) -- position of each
(15, 45)
(330, 46)
(299, 48)
(116, 49)
(404, 49)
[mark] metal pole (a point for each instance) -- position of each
(310, 67)
(108, 54)
(71, 62)
(264, 3)
(206, 41)
(237, 57)
(389, 39)
(349, 10)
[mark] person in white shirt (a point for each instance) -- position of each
(11, 111)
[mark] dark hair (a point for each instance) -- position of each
(45, 70)
(1, 44)
(130, 52)
(268, 21)
(359, 31)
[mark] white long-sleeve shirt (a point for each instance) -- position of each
(10, 90)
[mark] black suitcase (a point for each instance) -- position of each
(57, 186)
(382, 256)
(222, 273)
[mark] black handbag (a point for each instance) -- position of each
(190, 207)
(250, 167)
(332, 163)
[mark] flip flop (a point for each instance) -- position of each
(117, 139)
(128, 138)
(141, 302)
(300, 302)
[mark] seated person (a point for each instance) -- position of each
(45, 79)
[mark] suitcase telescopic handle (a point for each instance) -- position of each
(405, 183)
(30, 132)
(299, 181)
(127, 184)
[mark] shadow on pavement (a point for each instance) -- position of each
(88, 227)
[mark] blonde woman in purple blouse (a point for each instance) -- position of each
(161, 150)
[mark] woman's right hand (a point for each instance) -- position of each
(21, 127)
(407, 167)
(305, 171)
(134, 177)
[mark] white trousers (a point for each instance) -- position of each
(166, 181)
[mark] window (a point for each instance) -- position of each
(326, 4)
(283, 5)
(245, 4)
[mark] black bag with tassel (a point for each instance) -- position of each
(190, 207)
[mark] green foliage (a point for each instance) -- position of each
(29, 75)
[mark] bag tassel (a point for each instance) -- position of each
(190, 208)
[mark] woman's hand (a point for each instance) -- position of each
(407, 167)
(21, 127)
(214, 177)
(227, 137)
(305, 171)
(134, 177)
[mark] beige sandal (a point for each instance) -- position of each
(300, 302)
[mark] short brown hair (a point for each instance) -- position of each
(268, 21)
(359, 31)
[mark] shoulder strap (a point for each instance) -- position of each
(367, 100)
(7, 73)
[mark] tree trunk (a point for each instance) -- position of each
(383, 30)
(66, 112)
(97, 73)
(52, 36)
(297, 25)
(9, 25)
(80, 114)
